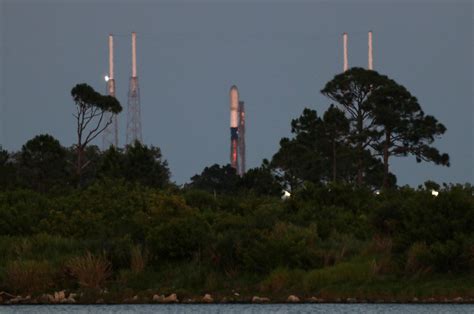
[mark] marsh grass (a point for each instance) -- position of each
(27, 276)
(138, 259)
(418, 259)
(90, 270)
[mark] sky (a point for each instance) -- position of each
(280, 54)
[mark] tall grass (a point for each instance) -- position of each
(138, 259)
(54, 249)
(90, 270)
(28, 276)
(418, 259)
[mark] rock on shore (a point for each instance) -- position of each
(207, 298)
(257, 299)
(293, 299)
(160, 298)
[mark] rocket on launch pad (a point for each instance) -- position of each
(234, 126)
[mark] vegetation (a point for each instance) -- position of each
(93, 115)
(384, 117)
(128, 230)
(89, 270)
(192, 241)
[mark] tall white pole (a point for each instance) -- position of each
(134, 54)
(371, 60)
(346, 63)
(110, 136)
(111, 57)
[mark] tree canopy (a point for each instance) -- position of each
(384, 120)
(403, 127)
(94, 113)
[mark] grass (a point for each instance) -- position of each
(39, 264)
(138, 259)
(27, 276)
(355, 271)
(90, 270)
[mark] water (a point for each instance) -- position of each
(242, 308)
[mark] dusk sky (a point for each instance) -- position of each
(279, 54)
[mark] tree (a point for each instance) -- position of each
(42, 163)
(294, 163)
(261, 181)
(216, 179)
(301, 159)
(94, 114)
(7, 169)
(321, 151)
(336, 130)
(145, 165)
(404, 127)
(112, 163)
(351, 90)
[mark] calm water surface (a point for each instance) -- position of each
(243, 308)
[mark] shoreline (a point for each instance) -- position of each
(292, 299)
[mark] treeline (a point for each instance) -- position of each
(375, 120)
(79, 218)
(45, 166)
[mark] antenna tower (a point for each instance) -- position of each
(134, 124)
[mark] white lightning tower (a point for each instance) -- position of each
(346, 62)
(371, 59)
(134, 124)
(110, 136)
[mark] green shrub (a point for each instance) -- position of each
(285, 245)
(447, 256)
(418, 259)
(180, 237)
(355, 271)
(139, 281)
(282, 280)
(200, 199)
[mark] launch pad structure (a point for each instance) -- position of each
(241, 140)
(370, 57)
(110, 135)
(134, 124)
(237, 107)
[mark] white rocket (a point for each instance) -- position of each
(234, 125)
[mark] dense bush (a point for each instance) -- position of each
(190, 239)
(180, 237)
(441, 225)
